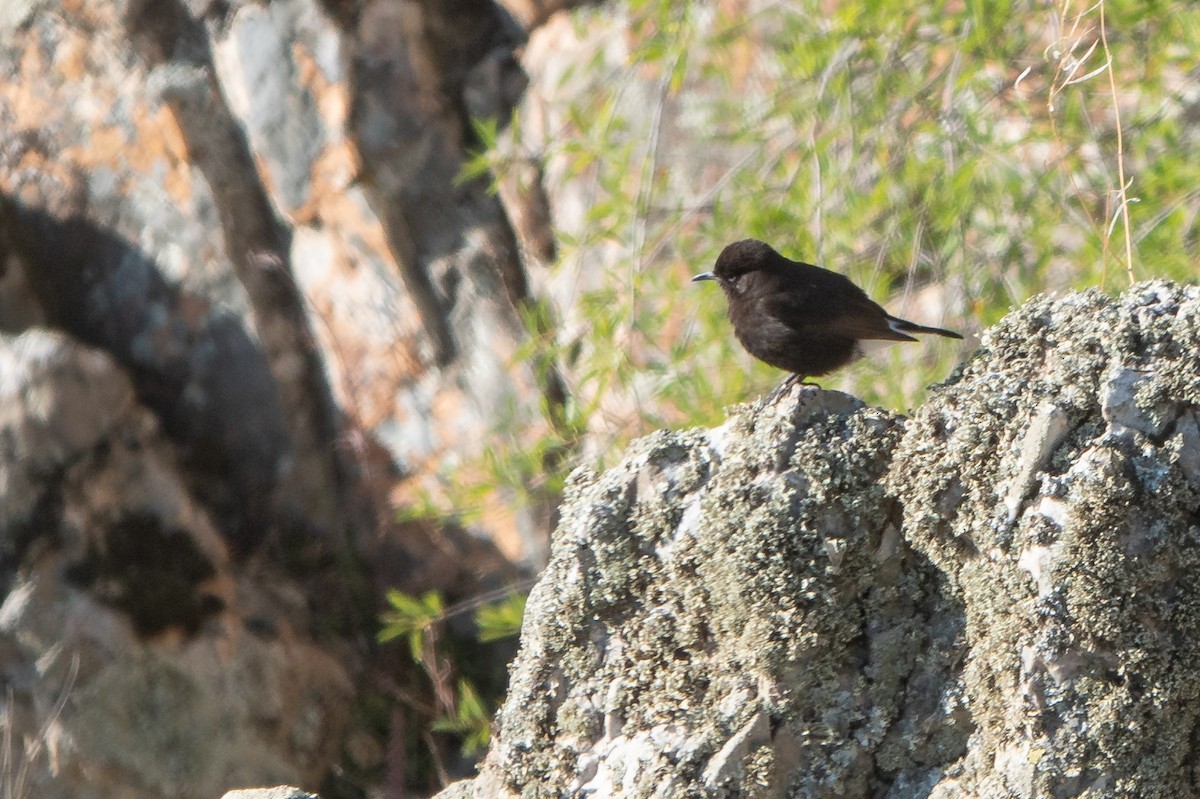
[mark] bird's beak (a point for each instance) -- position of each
(704, 276)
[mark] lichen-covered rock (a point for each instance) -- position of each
(733, 612)
(1054, 481)
(996, 598)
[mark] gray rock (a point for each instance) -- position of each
(14, 13)
(255, 63)
(255, 209)
(996, 598)
(725, 607)
(281, 792)
(55, 404)
(1082, 607)
(130, 644)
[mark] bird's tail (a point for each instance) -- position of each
(904, 326)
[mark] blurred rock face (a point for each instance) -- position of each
(134, 647)
(245, 306)
(255, 208)
(995, 598)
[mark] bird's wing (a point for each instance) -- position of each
(848, 314)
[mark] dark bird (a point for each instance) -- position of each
(799, 317)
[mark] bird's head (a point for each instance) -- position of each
(737, 260)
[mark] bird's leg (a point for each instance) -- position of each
(786, 385)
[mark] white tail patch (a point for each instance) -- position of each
(868, 346)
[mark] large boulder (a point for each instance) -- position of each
(998, 597)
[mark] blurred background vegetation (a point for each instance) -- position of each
(953, 158)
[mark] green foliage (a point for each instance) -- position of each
(410, 617)
(961, 154)
(501, 619)
(418, 619)
(471, 720)
(953, 158)
(480, 165)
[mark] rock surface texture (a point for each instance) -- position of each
(998, 597)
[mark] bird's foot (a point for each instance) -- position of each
(786, 386)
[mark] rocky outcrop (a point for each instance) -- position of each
(995, 598)
(1056, 483)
